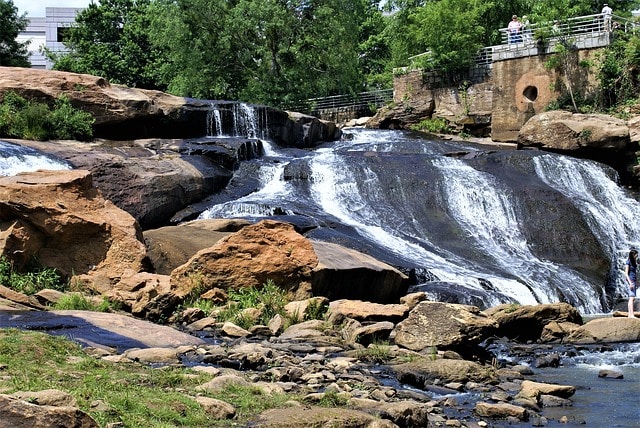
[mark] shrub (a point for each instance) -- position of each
(36, 121)
(77, 301)
(434, 125)
(69, 123)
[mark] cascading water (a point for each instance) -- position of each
(484, 253)
(237, 120)
(15, 159)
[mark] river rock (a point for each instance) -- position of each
(607, 330)
(526, 322)
(501, 411)
(531, 393)
(423, 372)
(443, 326)
(366, 311)
(296, 417)
(47, 397)
(217, 409)
(69, 226)
(16, 413)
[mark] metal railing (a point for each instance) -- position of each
(588, 24)
(375, 99)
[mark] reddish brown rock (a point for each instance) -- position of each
(68, 226)
(566, 131)
(268, 250)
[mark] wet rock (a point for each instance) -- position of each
(610, 374)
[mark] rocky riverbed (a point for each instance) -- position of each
(362, 357)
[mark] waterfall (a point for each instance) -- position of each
(461, 226)
(611, 214)
(486, 210)
(244, 120)
(15, 159)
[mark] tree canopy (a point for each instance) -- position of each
(279, 52)
(12, 52)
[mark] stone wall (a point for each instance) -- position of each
(523, 87)
(498, 101)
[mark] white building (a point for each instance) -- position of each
(48, 32)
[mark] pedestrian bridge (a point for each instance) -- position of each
(582, 32)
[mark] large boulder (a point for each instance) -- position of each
(150, 179)
(307, 131)
(342, 273)
(607, 330)
(565, 131)
(599, 137)
(526, 322)
(59, 218)
(273, 250)
(172, 246)
(444, 326)
(268, 250)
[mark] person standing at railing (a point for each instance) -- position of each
(607, 12)
(514, 29)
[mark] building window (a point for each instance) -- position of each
(63, 34)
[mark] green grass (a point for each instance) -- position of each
(35, 279)
(136, 395)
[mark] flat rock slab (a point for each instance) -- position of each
(98, 329)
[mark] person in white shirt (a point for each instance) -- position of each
(606, 17)
(514, 30)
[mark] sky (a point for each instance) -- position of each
(35, 8)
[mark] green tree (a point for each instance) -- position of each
(273, 51)
(200, 60)
(12, 52)
(111, 40)
(452, 31)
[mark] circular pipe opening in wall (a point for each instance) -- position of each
(530, 93)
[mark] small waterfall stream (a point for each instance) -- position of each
(15, 159)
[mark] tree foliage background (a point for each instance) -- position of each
(12, 52)
(278, 52)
